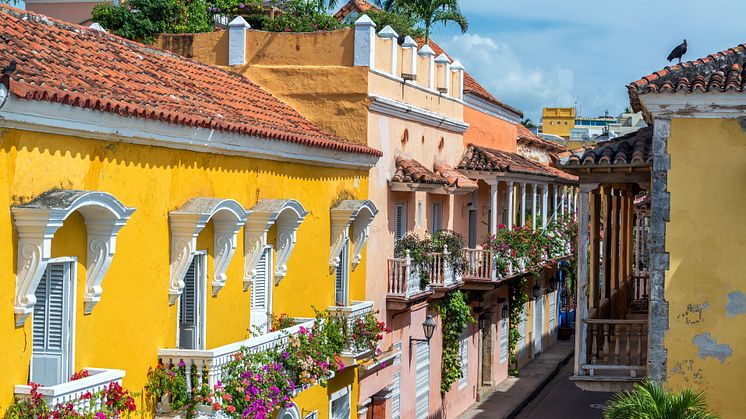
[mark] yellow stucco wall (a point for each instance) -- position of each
(134, 319)
(706, 238)
(558, 121)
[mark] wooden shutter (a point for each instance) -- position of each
(52, 327)
(396, 397)
(261, 289)
(190, 309)
(552, 311)
(464, 355)
(342, 274)
(422, 387)
(400, 220)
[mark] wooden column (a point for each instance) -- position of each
(606, 259)
(629, 204)
(595, 227)
(523, 204)
(581, 310)
(544, 204)
(615, 256)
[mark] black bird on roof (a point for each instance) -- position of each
(10, 68)
(678, 52)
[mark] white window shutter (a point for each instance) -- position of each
(190, 305)
(341, 279)
(464, 355)
(400, 220)
(261, 288)
(52, 327)
(422, 386)
(396, 397)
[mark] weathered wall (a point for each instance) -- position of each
(705, 239)
(134, 319)
(489, 131)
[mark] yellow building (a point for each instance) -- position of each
(558, 121)
(676, 297)
(158, 209)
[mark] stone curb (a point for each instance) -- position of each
(543, 383)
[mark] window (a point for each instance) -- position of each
(396, 397)
(552, 311)
(342, 276)
(312, 415)
(504, 341)
(437, 217)
(400, 220)
(339, 404)
(53, 325)
(261, 293)
(192, 305)
(419, 214)
(464, 355)
(422, 386)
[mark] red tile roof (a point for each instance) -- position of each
(633, 149)
(412, 171)
(484, 159)
(470, 84)
(78, 66)
(359, 6)
(525, 136)
(454, 177)
(719, 72)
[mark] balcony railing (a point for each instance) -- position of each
(71, 391)
(405, 280)
(442, 274)
(616, 347)
(350, 314)
(208, 364)
(479, 265)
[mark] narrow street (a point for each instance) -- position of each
(561, 399)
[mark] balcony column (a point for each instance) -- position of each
(562, 200)
(581, 311)
(575, 201)
(493, 207)
(523, 204)
(533, 206)
(511, 194)
(544, 203)
(556, 199)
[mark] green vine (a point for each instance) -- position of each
(455, 316)
(517, 299)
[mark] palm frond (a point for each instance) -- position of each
(651, 401)
(451, 15)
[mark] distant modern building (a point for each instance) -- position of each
(558, 121)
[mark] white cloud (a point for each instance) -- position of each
(509, 77)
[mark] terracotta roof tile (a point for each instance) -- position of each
(78, 66)
(719, 72)
(454, 178)
(525, 136)
(412, 171)
(484, 159)
(633, 149)
(360, 6)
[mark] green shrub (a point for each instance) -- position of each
(651, 401)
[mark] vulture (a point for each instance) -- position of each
(678, 52)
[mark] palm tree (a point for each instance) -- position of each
(428, 12)
(650, 401)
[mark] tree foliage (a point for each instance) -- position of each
(651, 401)
(403, 24)
(427, 13)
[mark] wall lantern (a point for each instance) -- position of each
(553, 283)
(483, 320)
(505, 311)
(536, 291)
(428, 327)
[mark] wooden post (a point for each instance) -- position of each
(595, 294)
(581, 310)
(523, 204)
(630, 204)
(544, 204)
(606, 260)
(614, 256)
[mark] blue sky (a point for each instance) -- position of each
(535, 53)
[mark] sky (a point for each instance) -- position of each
(544, 53)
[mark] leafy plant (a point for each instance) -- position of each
(651, 401)
(403, 24)
(456, 316)
(283, 321)
(419, 252)
(455, 244)
(113, 401)
(168, 384)
(517, 299)
(367, 331)
(428, 12)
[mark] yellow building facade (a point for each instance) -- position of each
(126, 205)
(558, 121)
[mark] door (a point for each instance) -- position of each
(192, 305)
(422, 388)
(261, 294)
(437, 217)
(53, 325)
(341, 282)
(538, 324)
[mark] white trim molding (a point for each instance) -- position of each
(287, 214)
(408, 112)
(55, 118)
(36, 223)
(186, 224)
(359, 215)
(695, 105)
(477, 103)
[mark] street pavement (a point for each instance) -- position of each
(562, 399)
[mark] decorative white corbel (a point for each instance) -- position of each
(186, 224)
(359, 213)
(429, 55)
(38, 221)
(287, 214)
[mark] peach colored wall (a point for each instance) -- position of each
(458, 400)
(74, 12)
(489, 131)
(415, 96)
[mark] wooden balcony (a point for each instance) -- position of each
(350, 314)
(405, 284)
(71, 391)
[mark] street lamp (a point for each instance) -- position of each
(553, 283)
(536, 291)
(505, 311)
(428, 327)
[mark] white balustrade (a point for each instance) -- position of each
(404, 279)
(350, 314)
(71, 391)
